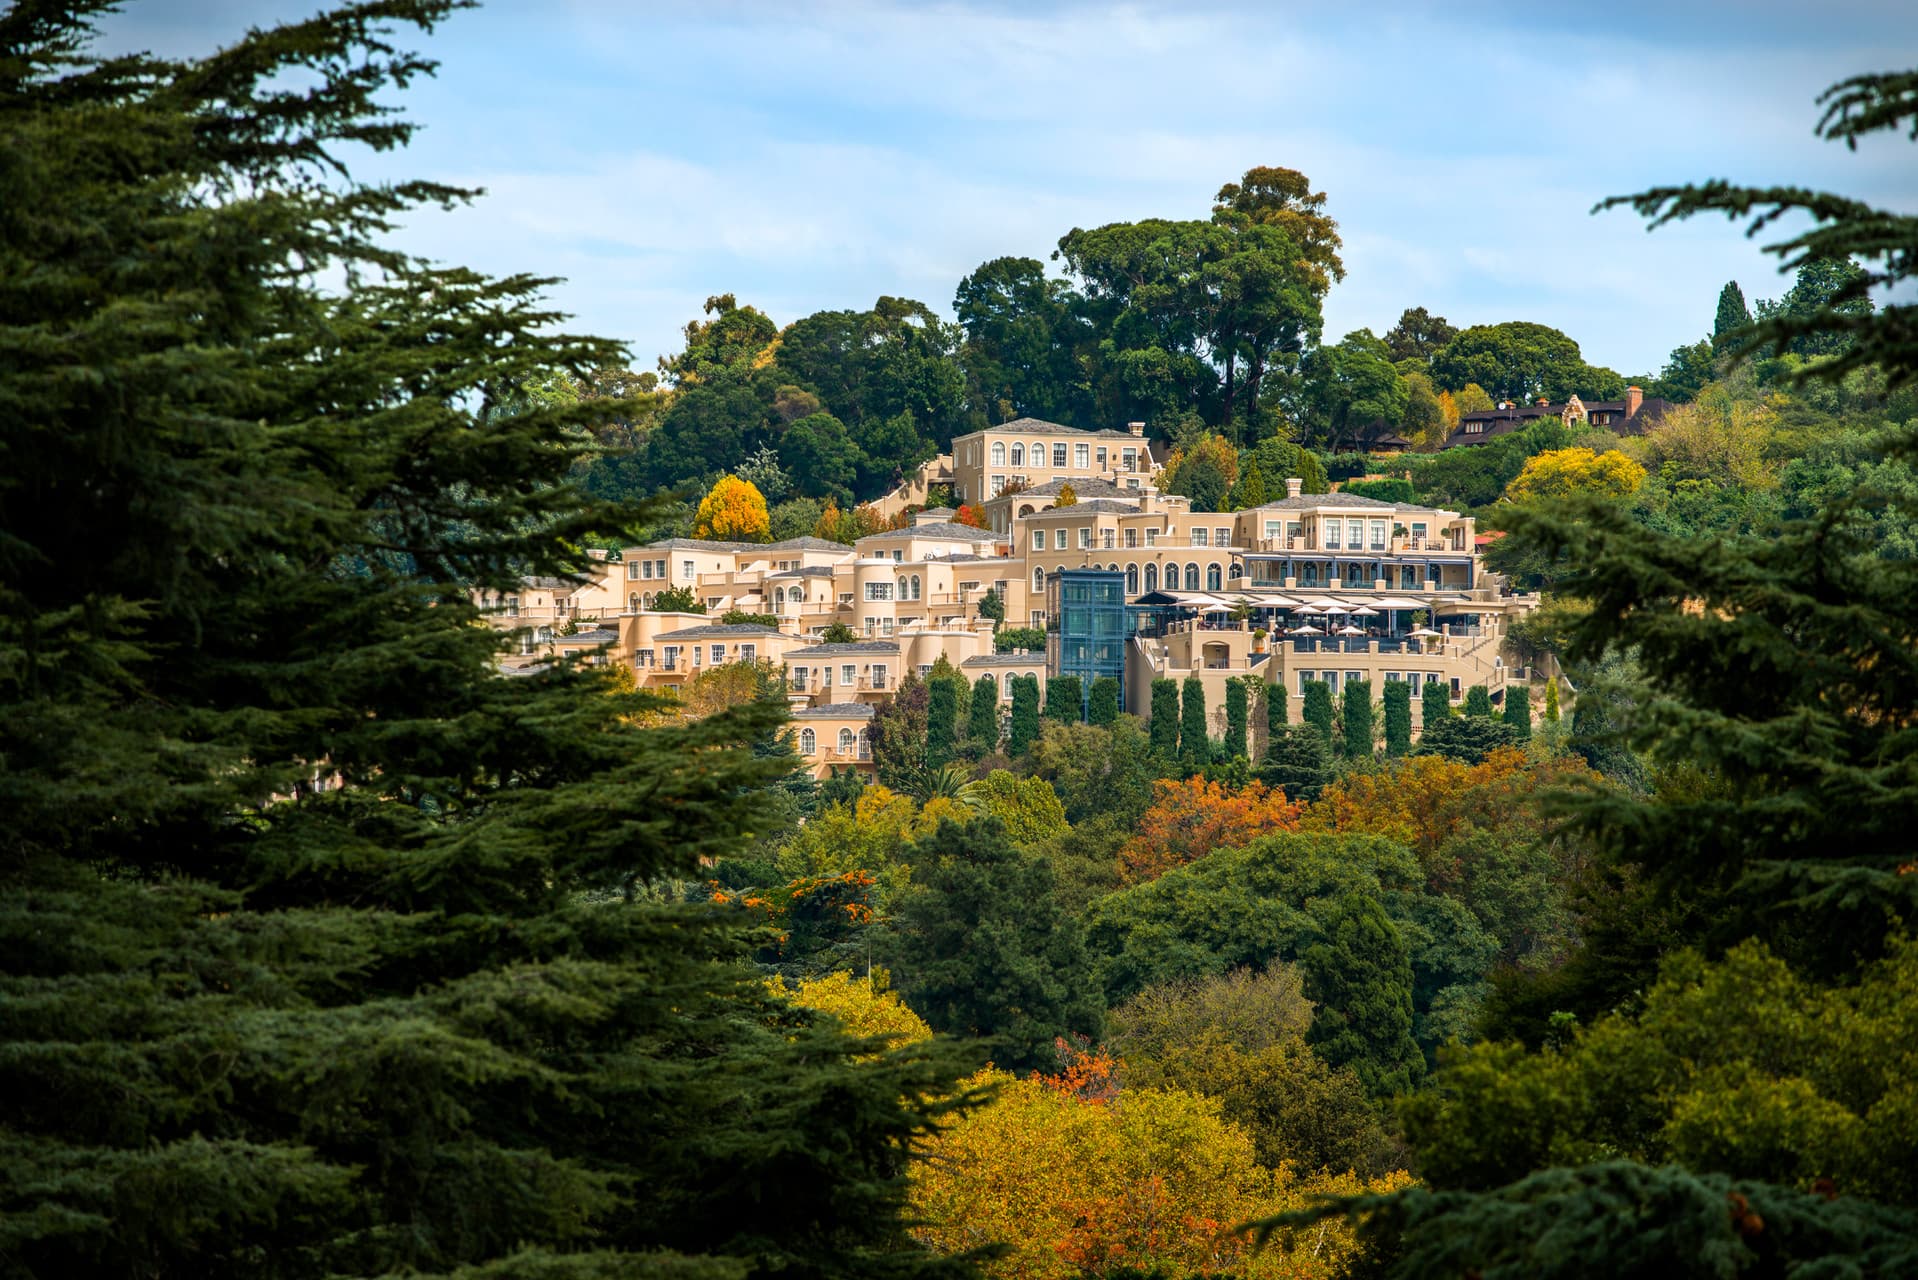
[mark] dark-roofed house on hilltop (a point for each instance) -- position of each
(1632, 416)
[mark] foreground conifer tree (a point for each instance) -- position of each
(323, 950)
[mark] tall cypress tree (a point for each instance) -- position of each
(1023, 730)
(1102, 706)
(1518, 710)
(1732, 316)
(1195, 745)
(323, 949)
(942, 720)
(1478, 701)
(1360, 724)
(1398, 718)
(1165, 718)
(1065, 699)
(1435, 704)
(1318, 711)
(982, 721)
(1237, 718)
(1276, 712)
(1360, 976)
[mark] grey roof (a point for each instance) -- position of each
(974, 559)
(1096, 506)
(939, 511)
(804, 571)
(699, 544)
(807, 543)
(720, 629)
(1005, 660)
(836, 711)
(1084, 487)
(598, 635)
(1040, 427)
(1306, 501)
(834, 650)
(943, 530)
(524, 669)
(551, 584)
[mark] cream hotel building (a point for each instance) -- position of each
(1311, 586)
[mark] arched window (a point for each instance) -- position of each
(1112, 568)
(632, 603)
(1038, 453)
(998, 453)
(1192, 577)
(1038, 580)
(1213, 579)
(1132, 579)
(808, 742)
(845, 742)
(1018, 455)
(798, 595)
(865, 749)
(779, 595)
(1235, 572)
(1152, 577)
(902, 588)
(915, 586)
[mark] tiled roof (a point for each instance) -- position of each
(836, 711)
(942, 531)
(940, 511)
(598, 635)
(1005, 660)
(803, 571)
(834, 650)
(720, 629)
(807, 543)
(1084, 487)
(1096, 506)
(1040, 427)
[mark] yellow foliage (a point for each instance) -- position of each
(1718, 438)
(871, 834)
(1153, 1179)
(732, 511)
(1560, 473)
(860, 1009)
(1068, 497)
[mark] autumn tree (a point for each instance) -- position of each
(1560, 473)
(1283, 198)
(1066, 497)
(1191, 817)
(732, 511)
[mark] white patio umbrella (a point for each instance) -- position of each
(1424, 632)
(1215, 608)
(1351, 631)
(1363, 612)
(1305, 631)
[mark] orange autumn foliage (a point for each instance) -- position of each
(1424, 802)
(1191, 817)
(970, 516)
(732, 511)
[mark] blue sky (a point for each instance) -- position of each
(806, 157)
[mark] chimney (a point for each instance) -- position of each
(1135, 428)
(1634, 397)
(1542, 402)
(1292, 486)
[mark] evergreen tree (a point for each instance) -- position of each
(1551, 700)
(1237, 718)
(1733, 315)
(899, 737)
(942, 720)
(1065, 699)
(1103, 706)
(1165, 718)
(1023, 730)
(1435, 704)
(1249, 490)
(327, 951)
(1518, 711)
(1195, 745)
(1360, 977)
(1318, 712)
(1297, 761)
(1478, 701)
(1398, 718)
(1360, 729)
(1276, 713)
(982, 721)
(982, 949)
(1466, 738)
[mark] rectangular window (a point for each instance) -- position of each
(1222, 537)
(632, 569)
(644, 658)
(1038, 539)
(1274, 528)
(879, 591)
(1332, 681)
(1085, 539)
(849, 675)
(1102, 458)
(686, 570)
(1082, 455)
(1354, 676)
(885, 626)
(1058, 539)
(748, 653)
(998, 485)
(1304, 676)
(1058, 455)
(799, 679)
(1418, 528)
(825, 677)
(1105, 539)
(1332, 528)
(659, 568)
(646, 568)
(1152, 537)
(1129, 459)
(1131, 484)
(719, 654)
(512, 606)
(672, 657)
(899, 555)
(878, 677)
(1393, 677)
(872, 626)
(1355, 534)
(697, 653)
(1414, 678)
(1132, 537)
(1199, 538)
(1378, 535)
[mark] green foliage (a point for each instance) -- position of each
(1195, 746)
(1435, 704)
(1098, 771)
(1297, 761)
(1732, 318)
(982, 720)
(678, 600)
(1008, 639)
(981, 949)
(1520, 361)
(1028, 808)
(1351, 386)
(739, 617)
(1478, 701)
(1467, 739)
(1278, 459)
(1391, 489)
(898, 734)
(1248, 491)
(837, 633)
(1065, 699)
(1318, 712)
(942, 719)
(1518, 711)
(1418, 335)
(326, 950)
(1237, 720)
(1023, 729)
(1102, 707)
(1397, 697)
(1359, 729)
(992, 605)
(1360, 976)
(1165, 718)
(1551, 700)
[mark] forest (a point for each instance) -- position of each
(327, 951)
